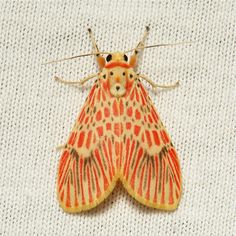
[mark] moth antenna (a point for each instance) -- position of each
(74, 57)
(158, 45)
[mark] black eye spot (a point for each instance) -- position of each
(104, 76)
(109, 57)
(125, 58)
(124, 73)
(111, 73)
(131, 76)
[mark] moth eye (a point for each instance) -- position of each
(125, 58)
(111, 73)
(124, 73)
(109, 57)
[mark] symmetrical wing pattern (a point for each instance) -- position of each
(118, 138)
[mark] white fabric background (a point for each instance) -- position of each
(38, 113)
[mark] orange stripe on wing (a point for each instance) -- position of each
(97, 184)
(163, 183)
(149, 182)
(68, 204)
(156, 184)
(136, 166)
(130, 157)
(81, 180)
(97, 155)
(89, 185)
(140, 192)
(75, 185)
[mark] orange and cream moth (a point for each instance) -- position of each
(118, 135)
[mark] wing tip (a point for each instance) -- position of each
(143, 201)
(88, 206)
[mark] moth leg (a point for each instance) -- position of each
(154, 86)
(137, 51)
(100, 59)
(80, 82)
(58, 148)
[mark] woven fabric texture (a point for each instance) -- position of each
(37, 113)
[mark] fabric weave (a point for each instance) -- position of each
(37, 113)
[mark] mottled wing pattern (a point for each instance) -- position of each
(150, 169)
(87, 172)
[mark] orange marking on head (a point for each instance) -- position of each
(117, 63)
(117, 79)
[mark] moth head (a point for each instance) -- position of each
(117, 76)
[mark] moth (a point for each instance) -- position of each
(118, 135)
